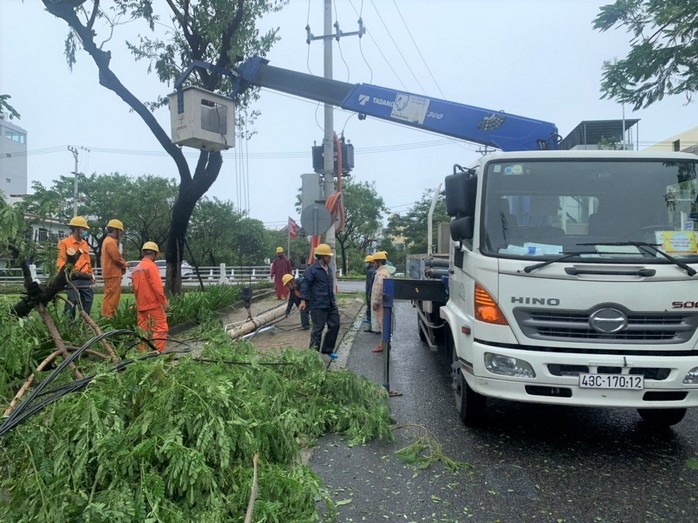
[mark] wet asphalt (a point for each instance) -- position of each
(526, 463)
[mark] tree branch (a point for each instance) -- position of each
(227, 41)
(109, 80)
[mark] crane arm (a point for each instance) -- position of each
(498, 129)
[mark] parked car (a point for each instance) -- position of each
(129, 267)
(187, 270)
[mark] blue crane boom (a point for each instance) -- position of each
(498, 129)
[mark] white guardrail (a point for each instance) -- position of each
(222, 274)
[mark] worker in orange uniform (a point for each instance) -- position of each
(280, 266)
(113, 267)
(151, 302)
(81, 278)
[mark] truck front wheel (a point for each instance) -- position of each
(662, 417)
(469, 404)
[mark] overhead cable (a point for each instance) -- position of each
(418, 50)
(398, 48)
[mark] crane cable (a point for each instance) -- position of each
(334, 203)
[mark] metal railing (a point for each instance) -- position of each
(221, 274)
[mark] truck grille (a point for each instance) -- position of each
(642, 328)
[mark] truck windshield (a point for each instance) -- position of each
(546, 208)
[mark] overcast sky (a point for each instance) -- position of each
(535, 58)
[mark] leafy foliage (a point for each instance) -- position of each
(364, 219)
(10, 225)
(26, 341)
(215, 31)
(166, 441)
(142, 203)
(412, 226)
(663, 59)
(217, 234)
(6, 107)
(23, 340)
(220, 234)
(426, 450)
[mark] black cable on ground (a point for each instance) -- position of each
(60, 391)
(67, 361)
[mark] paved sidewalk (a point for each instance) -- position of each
(287, 332)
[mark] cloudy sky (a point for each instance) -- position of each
(536, 58)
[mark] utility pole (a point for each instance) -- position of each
(328, 139)
(75, 183)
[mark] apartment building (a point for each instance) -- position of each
(13, 159)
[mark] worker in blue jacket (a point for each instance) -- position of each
(317, 294)
(294, 298)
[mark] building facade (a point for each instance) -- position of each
(13, 159)
(686, 141)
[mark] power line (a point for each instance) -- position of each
(361, 49)
(418, 50)
(397, 47)
(237, 152)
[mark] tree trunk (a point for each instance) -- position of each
(190, 191)
(38, 294)
(344, 256)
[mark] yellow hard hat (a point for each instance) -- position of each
(279, 250)
(78, 221)
(380, 255)
(286, 278)
(150, 246)
(368, 258)
(323, 250)
(116, 224)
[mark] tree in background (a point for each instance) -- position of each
(146, 211)
(250, 239)
(6, 108)
(214, 31)
(211, 235)
(143, 204)
(663, 59)
(364, 212)
(412, 226)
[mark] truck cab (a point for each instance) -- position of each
(572, 281)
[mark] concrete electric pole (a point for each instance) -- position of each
(75, 183)
(328, 139)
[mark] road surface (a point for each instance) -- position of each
(528, 463)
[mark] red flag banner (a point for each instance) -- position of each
(292, 228)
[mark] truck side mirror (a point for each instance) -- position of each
(462, 229)
(461, 189)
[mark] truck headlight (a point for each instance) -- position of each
(691, 377)
(508, 366)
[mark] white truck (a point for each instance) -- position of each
(571, 275)
(572, 281)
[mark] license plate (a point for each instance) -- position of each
(611, 381)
